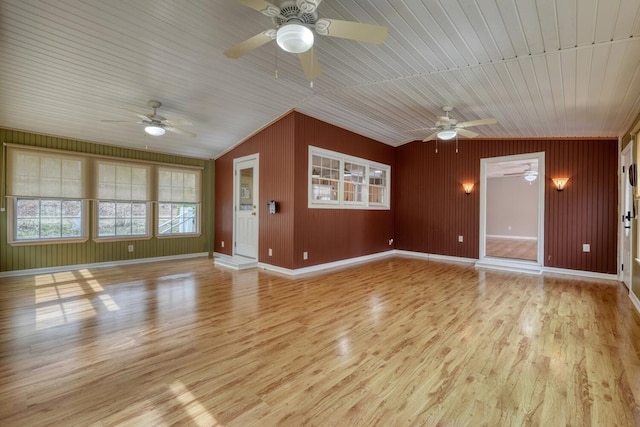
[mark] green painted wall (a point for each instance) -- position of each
(40, 256)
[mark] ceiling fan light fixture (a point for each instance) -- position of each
(154, 130)
(531, 176)
(294, 38)
(447, 134)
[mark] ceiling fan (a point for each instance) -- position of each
(157, 125)
(448, 128)
(293, 20)
(529, 173)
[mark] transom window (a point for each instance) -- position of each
(340, 181)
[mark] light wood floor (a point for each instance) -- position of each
(512, 248)
(393, 342)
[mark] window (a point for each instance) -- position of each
(123, 200)
(378, 186)
(325, 179)
(340, 181)
(178, 201)
(47, 192)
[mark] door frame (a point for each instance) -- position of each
(625, 154)
(542, 179)
(236, 196)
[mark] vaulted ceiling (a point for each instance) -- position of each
(542, 68)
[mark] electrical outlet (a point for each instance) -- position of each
(222, 244)
(130, 248)
(270, 252)
(460, 239)
(305, 255)
(586, 247)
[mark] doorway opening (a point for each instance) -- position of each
(512, 212)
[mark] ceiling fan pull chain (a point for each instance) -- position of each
(456, 143)
(436, 145)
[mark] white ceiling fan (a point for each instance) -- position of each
(293, 21)
(157, 125)
(530, 174)
(448, 128)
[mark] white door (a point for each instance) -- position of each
(628, 213)
(245, 234)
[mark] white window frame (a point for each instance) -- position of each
(17, 189)
(23, 186)
(340, 203)
(112, 198)
(179, 198)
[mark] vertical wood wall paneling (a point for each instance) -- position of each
(40, 256)
(329, 235)
(326, 234)
(275, 144)
(430, 215)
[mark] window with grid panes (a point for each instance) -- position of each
(46, 191)
(123, 200)
(337, 180)
(178, 201)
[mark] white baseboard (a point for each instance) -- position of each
(320, 267)
(499, 236)
(435, 257)
(634, 299)
(57, 269)
(513, 265)
(580, 273)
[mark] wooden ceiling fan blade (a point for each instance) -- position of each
(178, 122)
(310, 64)
(180, 131)
(431, 137)
(487, 121)
(467, 133)
(367, 33)
(248, 45)
(261, 6)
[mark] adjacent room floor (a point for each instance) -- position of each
(525, 249)
(397, 341)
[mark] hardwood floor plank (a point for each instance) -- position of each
(396, 341)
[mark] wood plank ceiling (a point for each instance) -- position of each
(543, 68)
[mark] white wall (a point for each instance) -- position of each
(512, 207)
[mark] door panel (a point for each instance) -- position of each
(246, 208)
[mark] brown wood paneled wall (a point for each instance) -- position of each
(326, 234)
(53, 255)
(431, 209)
(329, 235)
(275, 145)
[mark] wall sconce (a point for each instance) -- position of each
(467, 188)
(560, 183)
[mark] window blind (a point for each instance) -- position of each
(178, 185)
(122, 181)
(44, 174)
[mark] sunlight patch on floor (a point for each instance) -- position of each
(66, 297)
(196, 411)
